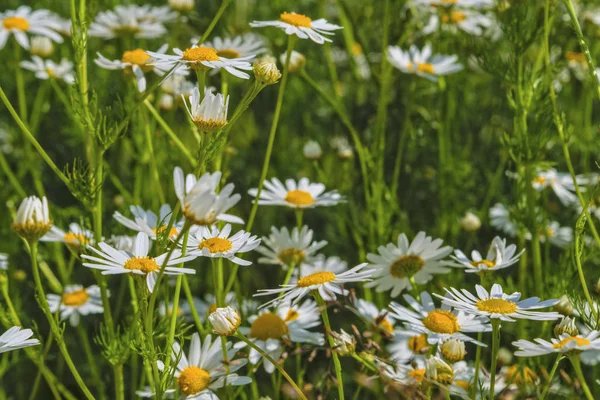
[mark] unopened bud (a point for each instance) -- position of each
(312, 150)
(344, 343)
(225, 321)
(41, 46)
(564, 305)
(470, 222)
(566, 326)
(181, 5)
(453, 350)
(439, 370)
(266, 71)
(297, 61)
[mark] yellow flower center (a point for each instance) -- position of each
(228, 53)
(406, 266)
(462, 384)
(212, 308)
(136, 57)
(357, 49)
(198, 54)
(418, 344)
(19, 23)
(299, 20)
(216, 245)
(299, 198)
(50, 72)
(144, 264)
(386, 325)
(487, 263)
(520, 375)
(417, 374)
(579, 340)
(75, 239)
(497, 306)
(455, 17)
(540, 180)
(572, 56)
(318, 278)
(425, 68)
(291, 256)
(193, 380)
(268, 326)
(441, 321)
(172, 233)
(292, 315)
(75, 298)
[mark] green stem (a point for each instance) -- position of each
(20, 82)
(474, 387)
(214, 21)
(577, 367)
(495, 345)
(155, 174)
(336, 361)
(83, 337)
(552, 372)
(11, 176)
(190, 300)
(577, 257)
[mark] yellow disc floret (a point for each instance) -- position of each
(18, 23)
(318, 278)
(299, 20)
(215, 245)
(200, 54)
(291, 256)
(487, 263)
(417, 374)
(497, 306)
(75, 298)
(441, 321)
(418, 344)
(144, 264)
(136, 57)
(161, 230)
(268, 326)
(75, 238)
(299, 198)
(193, 380)
(579, 340)
(406, 266)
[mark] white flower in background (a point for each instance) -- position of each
(140, 22)
(326, 282)
(75, 302)
(122, 242)
(247, 45)
(297, 61)
(62, 25)
(32, 220)
(225, 321)
(423, 63)
(184, 309)
(470, 222)
(342, 146)
(564, 344)
(439, 324)
(113, 261)
(23, 22)
(210, 114)
(577, 64)
(217, 243)
(3, 262)
(455, 3)
(499, 256)
(498, 305)
(301, 26)
(176, 86)
(209, 304)
(319, 265)
(518, 376)
(380, 319)
(407, 345)
(501, 220)
(412, 374)
(290, 248)
(41, 46)
(149, 223)
(76, 236)
(561, 184)
(182, 5)
(559, 236)
(48, 69)
(301, 194)
(396, 265)
(16, 338)
(471, 22)
(312, 150)
(200, 203)
(270, 328)
(202, 58)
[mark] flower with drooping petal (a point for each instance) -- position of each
(301, 26)
(75, 302)
(16, 338)
(422, 62)
(75, 237)
(48, 69)
(140, 22)
(208, 114)
(148, 222)
(32, 220)
(564, 344)
(499, 256)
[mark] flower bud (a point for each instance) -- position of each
(312, 150)
(439, 370)
(225, 321)
(41, 46)
(32, 220)
(297, 61)
(344, 343)
(453, 350)
(470, 222)
(181, 5)
(505, 356)
(564, 305)
(166, 102)
(566, 326)
(266, 71)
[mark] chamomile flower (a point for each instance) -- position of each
(561, 184)
(301, 26)
(48, 69)
(498, 305)
(122, 242)
(23, 22)
(407, 345)
(76, 236)
(422, 62)
(202, 58)
(32, 220)
(471, 22)
(217, 243)
(396, 265)
(326, 282)
(3, 262)
(76, 301)
(455, 3)
(412, 374)
(199, 200)
(208, 114)
(248, 45)
(270, 328)
(177, 86)
(208, 304)
(140, 22)
(148, 222)
(559, 236)
(301, 194)
(438, 323)
(564, 344)
(499, 256)
(286, 248)
(16, 338)
(321, 264)
(380, 319)
(501, 220)
(113, 261)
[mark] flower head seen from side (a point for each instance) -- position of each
(380, 319)
(499, 256)
(471, 22)
(208, 113)
(148, 222)
(248, 45)
(407, 345)
(423, 62)
(200, 202)
(564, 344)
(113, 261)
(501, 219)
(266, 71)
(76, 301)
(290, 248)
(140, 22)
(23, 22)
(217, 243)
(498, 305)
(561, 184)
(559, 236)
(454, 3)
(297, 61)
(298, 195)
(75, 237)
(438, 323)
(32, 220)
(397, 264)
(301, 26)
(325, 282)
(48, 69)
(225, 321)
(16, 338)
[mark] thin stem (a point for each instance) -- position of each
(475, 385)
(214, 21)
(552, 372)
(158, 186)
(83, 337)
(577, 367)
(190, 300)
(577, 257)
(11, 176)
(336, 361)
(495, 344)
(20, 82)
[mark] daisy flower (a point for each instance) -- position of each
(501, 220)
(301, 194)
(202, 58)
(122, 242)
(75, 302)
(24, 21)
(16, 338)
(148, 222)
(140, 22)
(248, 45)
(396, 265)
(412, 374)
(76, 236)
(48, 69)
(499, 256)
(325, 282)
(407, 345)
(3, 261)
(499, 305)
(564, 344)
(113, 261)
(517, 376)
(200, 203)
(439, 324)
(208, 114)
(285, 248)
(471, 22)
(560, 236)
(422, 63)
(561, 184)
(217, 243)
(321, 264)
(455, 3)
(301, 26)
(202, 371)
(32, 219)
(270, 328)
(380, 319)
